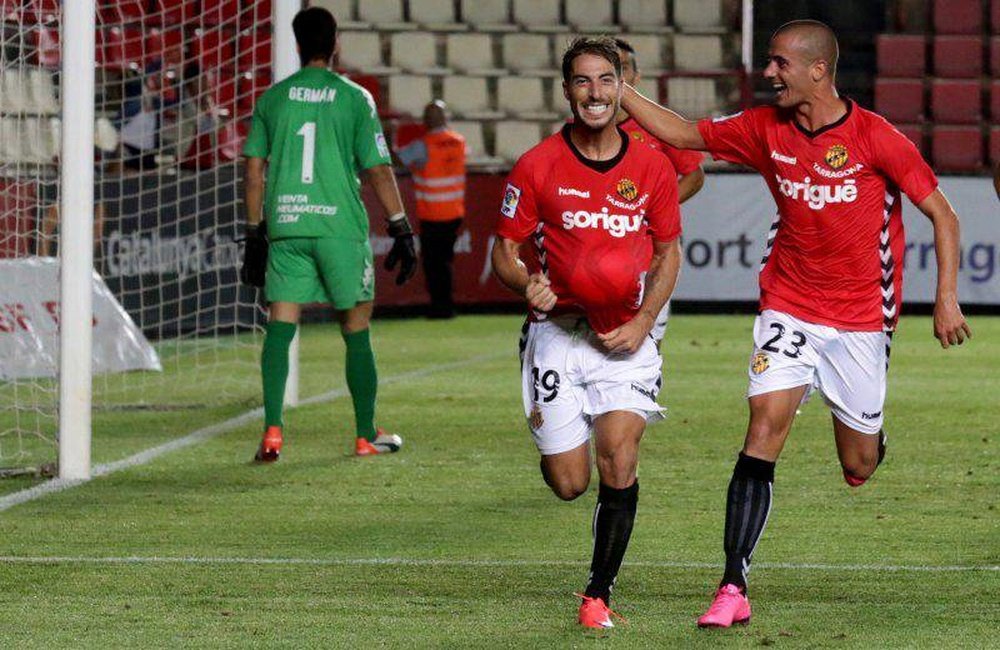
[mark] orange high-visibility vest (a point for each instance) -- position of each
(440, 184)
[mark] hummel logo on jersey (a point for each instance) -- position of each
(780, 157)
(817, 196)
(870, 416)
(616, 224)
(572, 191)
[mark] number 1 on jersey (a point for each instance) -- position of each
(308, 133)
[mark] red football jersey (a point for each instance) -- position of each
(834, 254)
(592, 223)
(685, 161)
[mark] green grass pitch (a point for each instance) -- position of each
(456, 542)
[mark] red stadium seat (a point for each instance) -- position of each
(995, 56)
(257, 15)
(249, 88)
(212, 47)
(958, 57)
(901, 55)
(254, 50)
(957, 148)
(116, 12)
(900, 100)
(995, 145)
(995, 16)
(915, 133)
(121, 48)
(956, 101)
(958, 16)
(32, 11)
(173, 45)
(995, 101)
(219, 12)
(171, 12)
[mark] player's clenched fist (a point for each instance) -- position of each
(628, 338)
(539, 292)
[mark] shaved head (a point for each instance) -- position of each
(813, 40)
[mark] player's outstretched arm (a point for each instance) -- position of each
(950, 327)
(660, 282)
(513, 274)
(662, 122)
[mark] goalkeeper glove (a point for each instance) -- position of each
(403, 251)
(254, 255)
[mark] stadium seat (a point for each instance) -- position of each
(900, 100)
(693, 97)
(650, 87)
(539, 15)
(409, 93)
(212, 48)
(220, 12)
(699, 16)
(15, 95)
(435, 15)
(640, 16)
(523, 98)
(957, 148)
(513, 138)
(915, 134)
(44, 12)
(958, 16)
(488, 15)
(471, 54)
(42, 92)
(701, 52)
(120, 48)
(249, 87)
(958, 57)
(557, 100)
(995, 145)
(956, 101)
(46, 43)
(363, 51)
(257, 13)
(121, 11)
(469, 98)
(170, 12)
(474, 142)
(995, 16)
(343, 12)
(384, 14)
(527, 53)
(901, 55)
(995, 101)
(37, 143)
(253, 50)
(10, 140)
(995, 56)
(590, 15)
(173, 45)
(648, 53)
(415, 52)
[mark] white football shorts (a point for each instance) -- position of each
(848, 368)
(568, 379)
(660, 325)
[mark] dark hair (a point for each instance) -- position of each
(601, 46)
(316, 33)
(625, 46)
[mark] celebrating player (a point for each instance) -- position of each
(831, 276)
(591, 201)
(690, 176)
(314, 133)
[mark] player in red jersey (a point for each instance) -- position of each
(591, 201)
(831, 277)
(690, 176)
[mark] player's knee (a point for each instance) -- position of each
(568, 491)
(859, 468)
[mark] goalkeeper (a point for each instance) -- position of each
(314, 134)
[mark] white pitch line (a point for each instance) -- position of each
(201, 435)
(458, 562)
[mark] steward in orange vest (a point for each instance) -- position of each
(437, 161)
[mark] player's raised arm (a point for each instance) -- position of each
(949, 324)
(661, 122)
(513, 274)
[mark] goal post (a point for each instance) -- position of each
(76, 250)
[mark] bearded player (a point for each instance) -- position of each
(591, 201)
(831, 277)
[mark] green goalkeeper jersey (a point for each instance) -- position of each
(317, 131)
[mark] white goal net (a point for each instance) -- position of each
(175, 332)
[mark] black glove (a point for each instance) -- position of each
(402, 251)
(254, 255)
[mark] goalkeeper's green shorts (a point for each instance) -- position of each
(325, 270)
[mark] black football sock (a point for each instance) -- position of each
(613, 519)
(747, 505)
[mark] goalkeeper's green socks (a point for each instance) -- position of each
(274, 369)
(362, 381)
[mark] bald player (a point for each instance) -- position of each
(831, 277)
